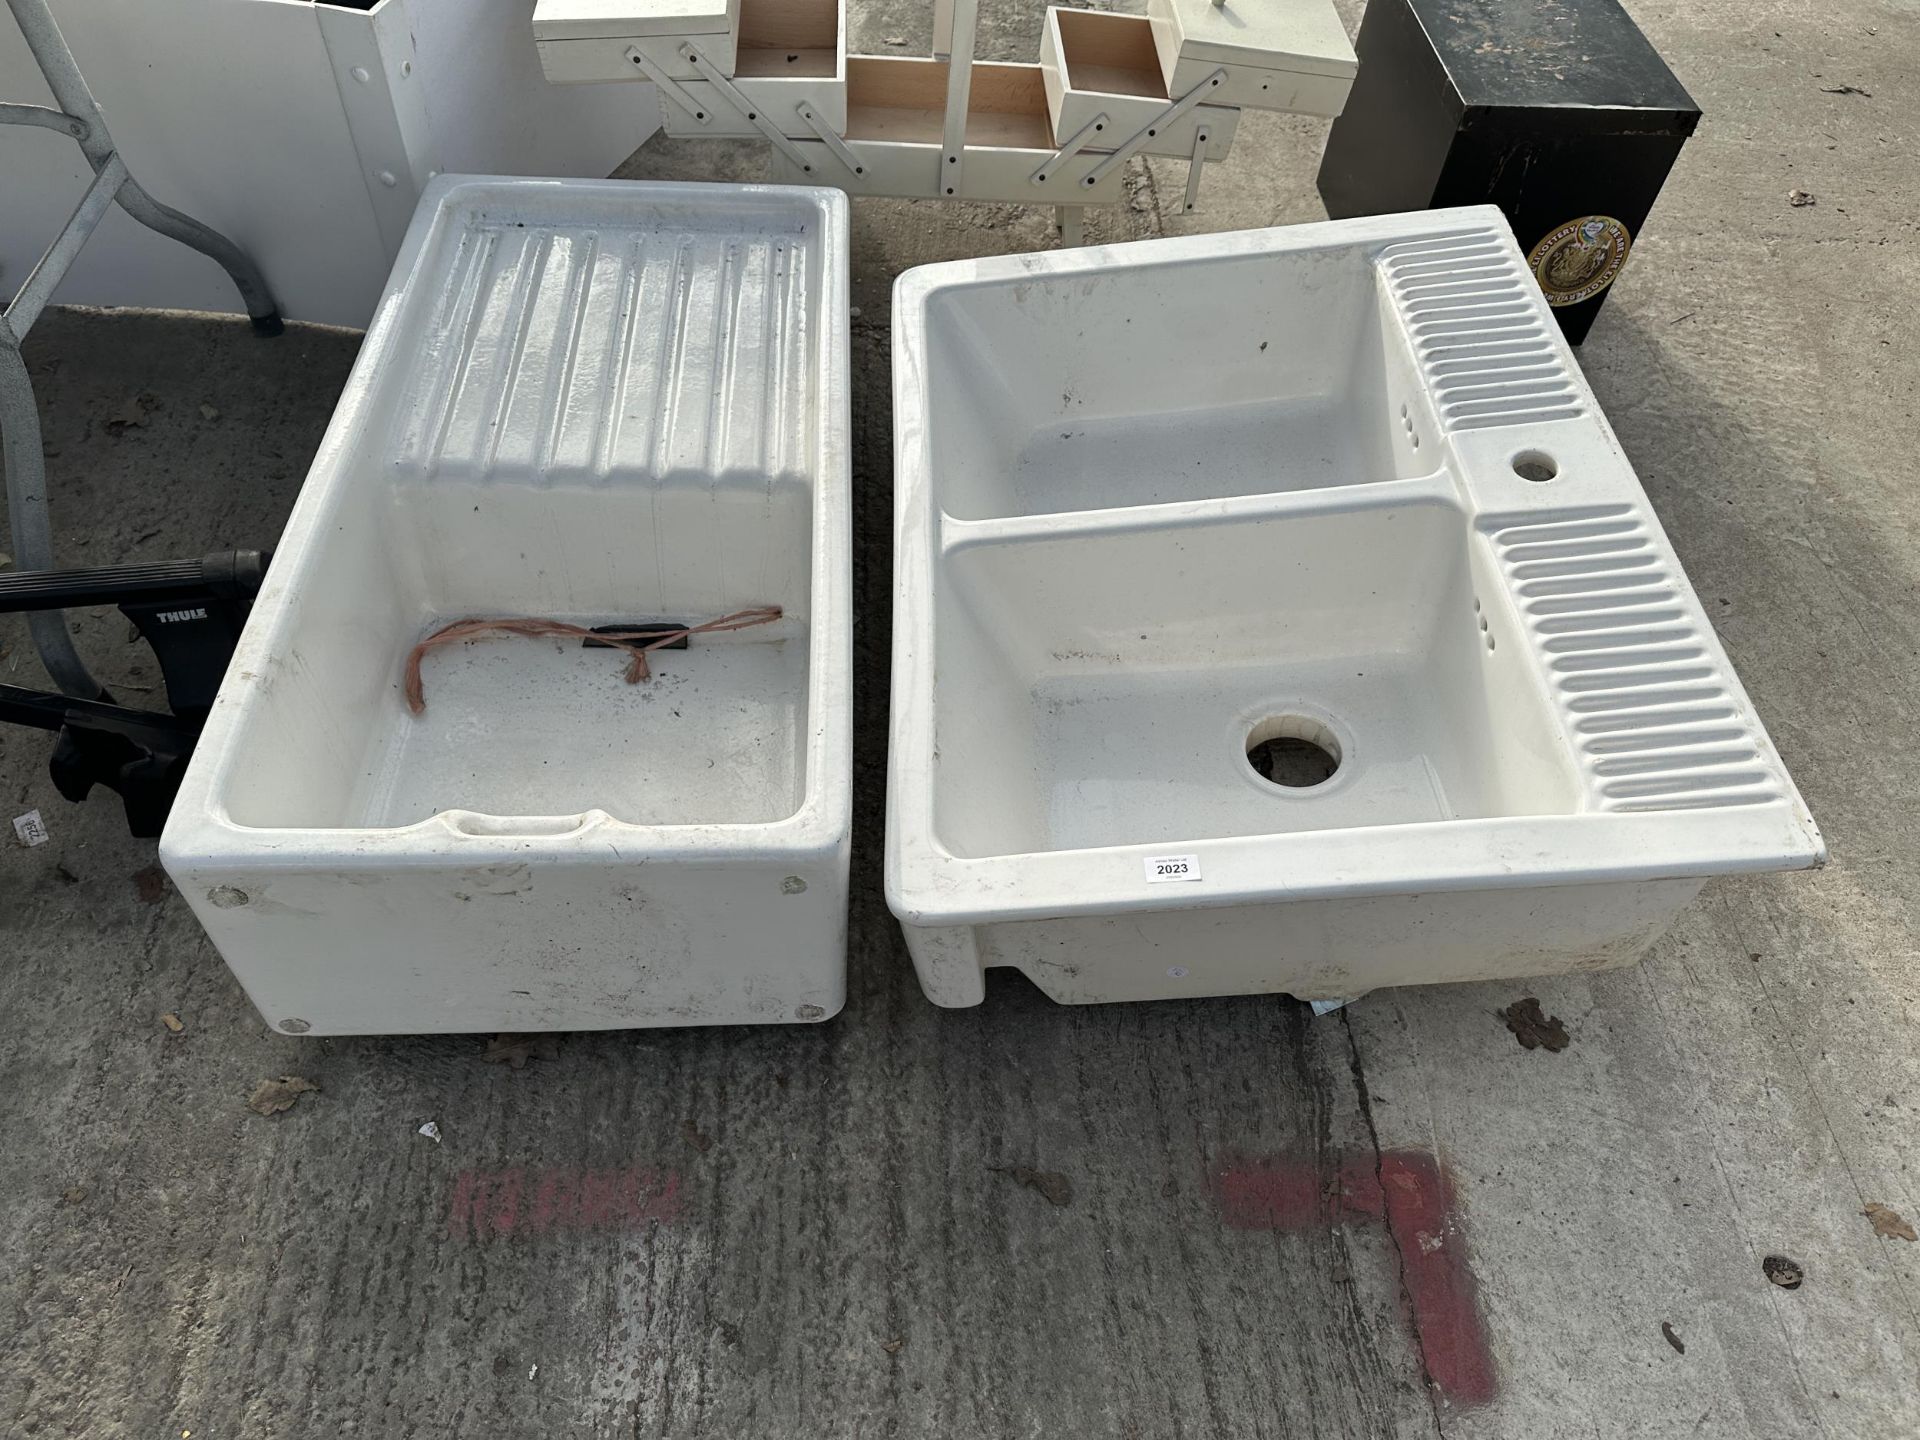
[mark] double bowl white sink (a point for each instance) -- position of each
(1277, 612)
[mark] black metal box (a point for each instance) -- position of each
(1558, 111)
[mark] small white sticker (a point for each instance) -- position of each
(31, 829)
(1161, 868)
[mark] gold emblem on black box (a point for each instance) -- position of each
(1579, 259)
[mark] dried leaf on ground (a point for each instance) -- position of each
(172, 1022)
(892, 1347)
(1887, 1223)
(1801, 198)
(133, 413)
(208, 412)
(270, 1097)
(1534, 1029)
(517, 1050)
(150, 884)
(1055, 1187)
(1679, 1345)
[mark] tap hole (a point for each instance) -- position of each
(1535, 465)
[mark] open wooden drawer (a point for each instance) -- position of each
(791, 53)
(1099, 65)
(905, 100)
(896, 115)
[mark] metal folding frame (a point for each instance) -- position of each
(76, 115)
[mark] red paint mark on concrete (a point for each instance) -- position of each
(1410, 1192)
(497, 1204)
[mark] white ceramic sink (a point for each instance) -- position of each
(1276, 611)
(596, 402)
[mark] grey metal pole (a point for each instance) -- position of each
(43, 116)
(27, 508)
(32, 297)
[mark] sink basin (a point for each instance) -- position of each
(596, 403)
(1277, 612)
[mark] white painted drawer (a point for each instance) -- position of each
(1100, 67)
(1292, 56)
(586, 41)
(791, 53)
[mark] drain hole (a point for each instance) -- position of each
(1292, 762)
(1535, 465)
(1293, 751)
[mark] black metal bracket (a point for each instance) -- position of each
(190, 612)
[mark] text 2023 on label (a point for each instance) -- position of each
(1163, 868)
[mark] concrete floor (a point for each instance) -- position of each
(855, 1250)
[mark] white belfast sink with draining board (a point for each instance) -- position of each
(585, 401)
